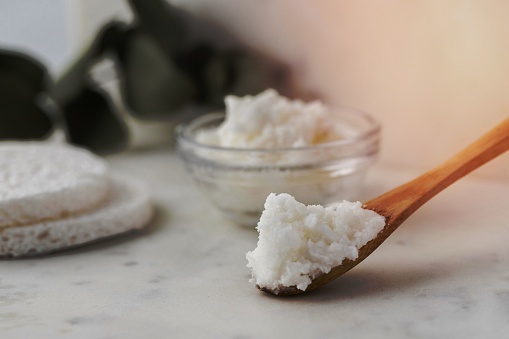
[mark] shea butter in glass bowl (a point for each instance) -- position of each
(237, 180)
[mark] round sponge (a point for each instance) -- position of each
(45, 181)
(128, 207)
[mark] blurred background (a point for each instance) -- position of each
(435, 73)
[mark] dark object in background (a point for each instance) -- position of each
(22, 79)
(164, 62)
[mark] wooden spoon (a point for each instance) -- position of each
(398, 204)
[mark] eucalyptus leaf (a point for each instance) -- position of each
(88, 115)
(25, 67)
(248, 74)
(163, 22)
(22, 80)
(77, 76)
(93, 122)
(168, 64)
(153, 86)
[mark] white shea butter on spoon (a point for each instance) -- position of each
(298, 243)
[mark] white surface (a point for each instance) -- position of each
(443, 274)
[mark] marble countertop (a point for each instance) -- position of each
(443, 274)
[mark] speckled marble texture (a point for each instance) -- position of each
(443, 274)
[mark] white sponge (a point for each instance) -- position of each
(45, 181)
(128, 207)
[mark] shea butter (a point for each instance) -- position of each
(268, 143)
(269, 120)
(298, 242)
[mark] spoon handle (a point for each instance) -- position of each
(399, 203)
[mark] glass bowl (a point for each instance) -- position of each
(238, 180)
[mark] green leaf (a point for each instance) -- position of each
(152, 85)
(163, 22)
(93, 122)
(77, 77)
(22, 81)
(89, 117)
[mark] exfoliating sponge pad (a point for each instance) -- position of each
(55, 196)
(45, 181)
(128, 207)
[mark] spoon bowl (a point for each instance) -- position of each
(399, 203)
